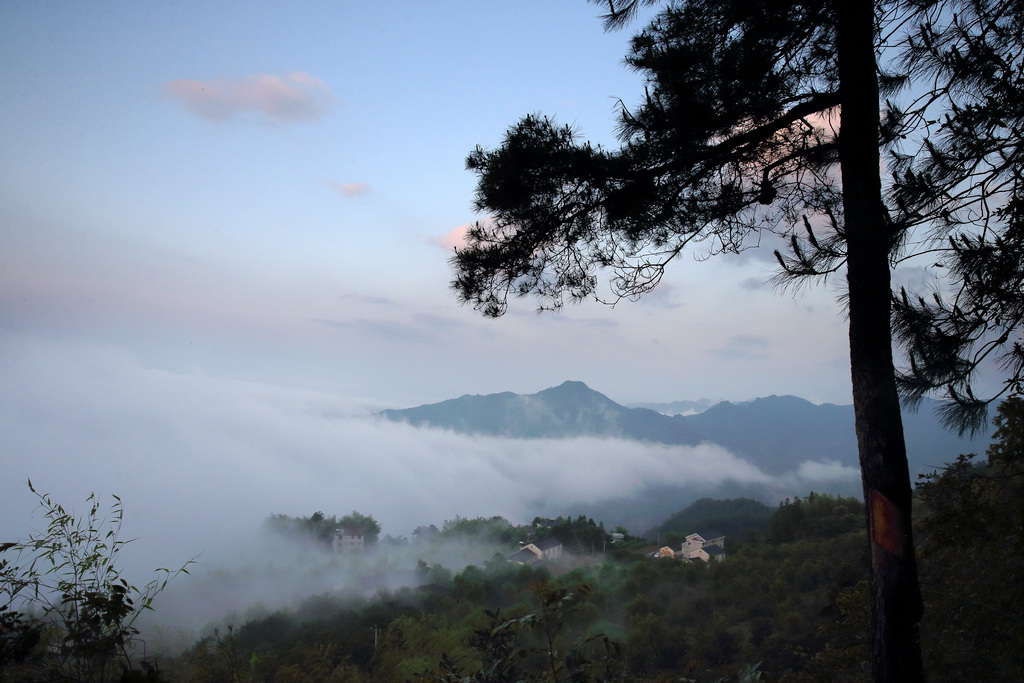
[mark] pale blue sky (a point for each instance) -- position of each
(261, 190)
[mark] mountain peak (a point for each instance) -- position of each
(570, 409)
(569, 388)
(571, 384)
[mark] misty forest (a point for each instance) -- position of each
(880, 541)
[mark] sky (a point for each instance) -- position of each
(224, 241)
(271, 193)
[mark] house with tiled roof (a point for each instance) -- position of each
(528, 554)
(550, 548)
(531, 553)
(705, 546)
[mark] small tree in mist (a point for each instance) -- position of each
(481, 529)
(66, 613)
(322, 528)
(357, 520)
(545, 645)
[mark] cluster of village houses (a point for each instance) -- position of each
(707, 546)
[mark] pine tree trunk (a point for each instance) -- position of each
(896, 605)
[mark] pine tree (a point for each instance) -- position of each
(764, 116)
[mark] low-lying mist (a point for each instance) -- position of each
(200, 462)
(230, 585)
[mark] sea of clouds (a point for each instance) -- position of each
(200, 461)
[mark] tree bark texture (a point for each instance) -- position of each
(896, 605)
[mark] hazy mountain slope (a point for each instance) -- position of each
(930, 446)
(776, 433)
(568, 410)
(677, 407)
(780, 432)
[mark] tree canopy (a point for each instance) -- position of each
(972, 526)
(956, 156)
(723, 146)
(323, 528)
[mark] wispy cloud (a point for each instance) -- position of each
(201, 437)
(294, 98)
(824, 471)
(387, 330)
(369, 299)
(599, 323)
(665, 295)
(754, 283)
(439, 322)
(745, 346)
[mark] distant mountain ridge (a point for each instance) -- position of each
(677, 407)
(776, 433)
(568, 410)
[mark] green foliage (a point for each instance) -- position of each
(217, 658)
(479, 529)
(819, 515)
(734, 517)
(972, 560)
(844, 654)
(423, 534)
(65, 610)
(540, 646)
(580, 535)
(414, 643)
(796, 607)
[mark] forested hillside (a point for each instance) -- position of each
(738, 518)
(789, 604)
(617, 615)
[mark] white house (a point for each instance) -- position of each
(347, 540)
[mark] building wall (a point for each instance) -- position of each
(345, 543)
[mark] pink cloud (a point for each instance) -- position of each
(349, 189)
(296, 97)
(456, 237)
